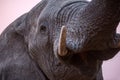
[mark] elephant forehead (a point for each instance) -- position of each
(60, 9)
(69, 11)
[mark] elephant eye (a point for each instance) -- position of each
(43, 28)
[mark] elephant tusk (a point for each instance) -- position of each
(62, 51)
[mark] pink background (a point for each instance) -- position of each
(11, 9)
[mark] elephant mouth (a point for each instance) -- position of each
(82, 61)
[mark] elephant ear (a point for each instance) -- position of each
(14, 56)
(13, 30)
(19, 30)
(21, 26)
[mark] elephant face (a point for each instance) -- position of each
(69, 40)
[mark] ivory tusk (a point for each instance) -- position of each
(62, 51)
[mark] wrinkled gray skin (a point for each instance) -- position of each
(28, 47)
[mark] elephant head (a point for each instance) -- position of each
(69, 39)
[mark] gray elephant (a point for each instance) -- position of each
(61, 40)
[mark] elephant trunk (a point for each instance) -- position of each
(97, 21)
(104, 14)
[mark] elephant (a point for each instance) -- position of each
(61, 40)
